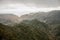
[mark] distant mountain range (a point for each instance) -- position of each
(8, 18)
(39, 16)
(51, 17)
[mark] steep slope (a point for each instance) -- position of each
(8, 18)
(39, 16)
(52, 17)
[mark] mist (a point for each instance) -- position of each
(21, 7)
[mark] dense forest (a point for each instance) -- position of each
(30, 30)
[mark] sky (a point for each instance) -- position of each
(21, 7)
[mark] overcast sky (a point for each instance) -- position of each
(21, 7)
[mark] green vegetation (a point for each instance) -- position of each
(29, 30)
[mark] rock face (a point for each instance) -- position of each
(8, 18)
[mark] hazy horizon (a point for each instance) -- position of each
(21, 7)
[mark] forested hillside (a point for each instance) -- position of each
(29, 30)
(34, 27)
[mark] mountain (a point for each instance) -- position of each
(8, 18)
(34, 26)
(39, 16)
(51, 17)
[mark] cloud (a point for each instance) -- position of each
(38, 3)
(20, 7)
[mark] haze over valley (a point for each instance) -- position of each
(29, 19)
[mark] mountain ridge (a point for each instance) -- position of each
(8, 18)
(47, 17)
